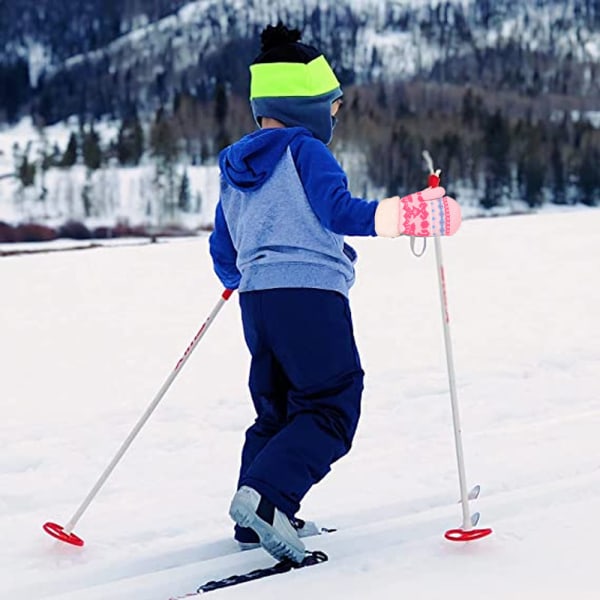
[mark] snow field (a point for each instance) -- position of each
(88, 337)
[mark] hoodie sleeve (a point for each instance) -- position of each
(326, 188)
(223, 252)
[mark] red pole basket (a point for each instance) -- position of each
(466, 535)
(58, 532)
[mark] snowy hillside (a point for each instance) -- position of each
(103, 59)
(504, 94)
(88, 338)
(116, 194)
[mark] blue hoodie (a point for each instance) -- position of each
(282, 214)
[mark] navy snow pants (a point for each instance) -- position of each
(306, 383)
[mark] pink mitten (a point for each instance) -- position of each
(429, 214)
(423, 214)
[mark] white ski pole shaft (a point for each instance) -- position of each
(452, 382)
(138, 426)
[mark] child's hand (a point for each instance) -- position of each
(427, 213)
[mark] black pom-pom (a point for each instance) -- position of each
(272, 37)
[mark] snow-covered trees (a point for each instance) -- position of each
(499, 148)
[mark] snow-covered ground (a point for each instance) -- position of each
(88, 337)
(114, 194)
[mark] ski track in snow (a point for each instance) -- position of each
(351, 548)
(89, 337)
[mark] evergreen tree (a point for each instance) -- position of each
(90, 149)
(589, 176)
(532, 164)
(496, 140)
(185, 198)
(130, 142)
(15, 88)
(532, 171)
(557, 167)
(55, 157)
(221, 104)
(26, 170)
(44, 163)
(86, 196)
(165, 150)
(191, 121)
(69, 158)
(381, 98)
(163, 138)
(471, 106)
(222, 138)
(92, 159)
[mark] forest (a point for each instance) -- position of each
(503, 147)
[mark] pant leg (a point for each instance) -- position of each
(310, 334)
(267, 382)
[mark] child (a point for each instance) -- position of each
(278, 238)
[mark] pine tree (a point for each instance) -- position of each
(15, 88)
(26, 170)
(185, 198)
(496, 139)
(532, 171)
(589, 176)
(164, 148)
(557, 167)
(69, 158)
(221, 104)
(222, 138)
(92, 159)
(44, 163)
(469, 107)
(130, 142)
(163, 139)
(90, 148)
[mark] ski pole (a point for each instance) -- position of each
(467, 532)
(65, 534)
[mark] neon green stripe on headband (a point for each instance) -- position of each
(270, 80)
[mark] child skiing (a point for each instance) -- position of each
(284, 208)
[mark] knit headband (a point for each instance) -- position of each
(285, 79)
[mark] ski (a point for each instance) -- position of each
(314, 557)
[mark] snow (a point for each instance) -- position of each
(25, 132)
(118, 194)
(196, 25)
(89, 336)
(39, 58)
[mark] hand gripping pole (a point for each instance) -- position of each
(467, 532)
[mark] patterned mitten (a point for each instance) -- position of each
(427, 213)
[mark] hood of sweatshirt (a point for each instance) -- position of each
(248, 163)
